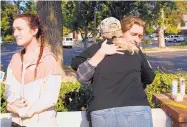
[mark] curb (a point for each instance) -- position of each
(164, 50)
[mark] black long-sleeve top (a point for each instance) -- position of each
(119, 80)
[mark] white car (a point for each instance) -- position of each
(174, 38)
(67, 42)
(153, 38)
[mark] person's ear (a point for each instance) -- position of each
(34, 31)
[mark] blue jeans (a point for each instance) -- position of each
(130, 116)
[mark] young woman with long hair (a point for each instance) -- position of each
(33, 76)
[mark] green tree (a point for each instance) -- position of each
(69, 10)
(79, 16)
(30, 7)
(9, 9)
(119, 9)
(165, 10)
(20, 5)
(8, 12)
(165, 16)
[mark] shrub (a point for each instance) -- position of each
(3, 99)
(74, 96)
(8, 38)
(184, 42)
(66, 87)
(162, 84)
(78, 99)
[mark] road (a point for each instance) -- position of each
(171, 61)
(155, 44)
(9, 49)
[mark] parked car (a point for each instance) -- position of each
(174, 38)
(166, 39)
(155, 38)
(152, 38)
(185, 37)
(67, 42)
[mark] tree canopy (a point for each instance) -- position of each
(162, 17)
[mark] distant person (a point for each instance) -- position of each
(118, 98)
(33, 76)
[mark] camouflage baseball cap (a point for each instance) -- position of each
(111, 27)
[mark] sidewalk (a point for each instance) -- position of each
(155, 50)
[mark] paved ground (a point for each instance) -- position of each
(9, 49)
(155, 44)
(171, 61)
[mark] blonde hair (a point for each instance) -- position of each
(128, 46)
(129, 21)
(112, 34)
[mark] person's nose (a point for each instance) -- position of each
(138, 39)
(15, 33)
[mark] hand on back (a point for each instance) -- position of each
(109, 49)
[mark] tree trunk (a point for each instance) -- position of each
(161, 40)
(50, 13)
(75, 35)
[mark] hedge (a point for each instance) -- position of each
(66, 88)
(8, 38)
(74, 96)
(162, 84)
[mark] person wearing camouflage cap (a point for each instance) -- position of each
(118, 76)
